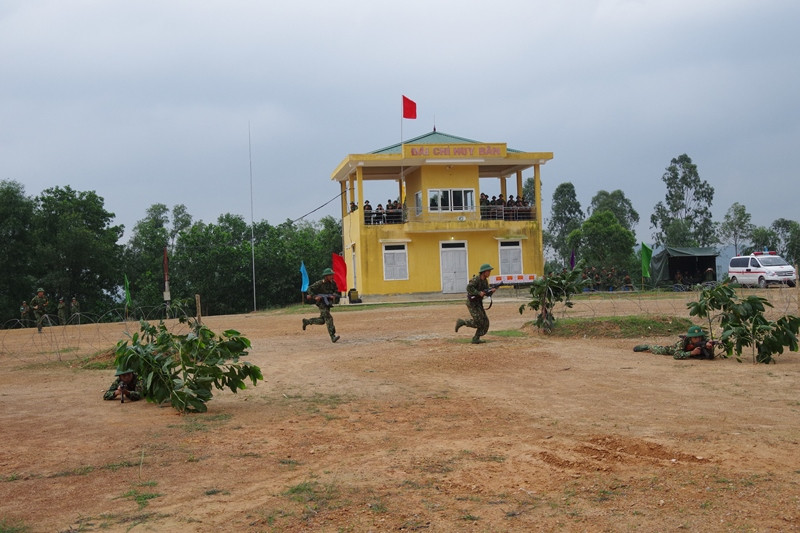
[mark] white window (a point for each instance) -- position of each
(451, 200)
(395, 262)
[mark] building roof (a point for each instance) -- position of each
(433, 137)
(390, 163)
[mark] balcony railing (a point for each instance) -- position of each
(487, 212)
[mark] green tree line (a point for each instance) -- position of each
(66, 242)
(604, 237)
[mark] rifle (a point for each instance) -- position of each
(492, 288)
(122, 388)
(327, 299)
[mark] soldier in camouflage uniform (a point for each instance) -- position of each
(127, 385)
(24, 313)
(324, 287)
(62, 312)
(477, 289)
(39, 306)
(693, 345)
(75, 310)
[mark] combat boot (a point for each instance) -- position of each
(477, 340)
(459, 323)
(640, 348)
(334, 338)
(305, 323)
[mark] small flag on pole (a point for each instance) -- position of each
(304, 273)
(409, 108)
(647, 254)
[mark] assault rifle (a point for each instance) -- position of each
(492, 288)
(327, 299)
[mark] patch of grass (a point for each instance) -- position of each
(508, 333)
(621, 327)
(116, 466)
(141, 498)
(13, 526)
(79, 471)
(211, 492)
(289, 462)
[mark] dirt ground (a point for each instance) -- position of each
(405, 426)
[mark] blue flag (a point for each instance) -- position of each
(303, 273)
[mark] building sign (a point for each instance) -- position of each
(454, 151)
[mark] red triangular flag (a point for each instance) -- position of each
(409, 108)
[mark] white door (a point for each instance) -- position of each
(454, 267)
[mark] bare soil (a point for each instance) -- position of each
(404, 426)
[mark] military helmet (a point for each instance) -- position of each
(695, 331)
(485, 267)
(327, 272)
(123, 370)
(40, 289)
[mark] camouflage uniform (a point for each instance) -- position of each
(74, 309)
(323, 287)
(39, 306)
(682, 349)
(479, 320)
(136, 389)
(24, 313)
(62, 312)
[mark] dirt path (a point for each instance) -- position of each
(403, 425)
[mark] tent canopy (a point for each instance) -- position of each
(692, 263)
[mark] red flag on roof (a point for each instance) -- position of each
(409, 108)
(339, 272)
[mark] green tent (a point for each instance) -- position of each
(692, 263)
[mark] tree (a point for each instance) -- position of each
(788, 232)
(182, 369)
(16, 275)
(144, 253)
(762, 238)
(744, 323)
(76, 248)
(602, 241)
(529, 191)
(688, 200)
(736, 227)
(565, 217)
(554, 288)
(619, 205)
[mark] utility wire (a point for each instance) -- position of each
(320, 207)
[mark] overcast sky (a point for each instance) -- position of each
(151, 101)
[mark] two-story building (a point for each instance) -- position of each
(442, 228)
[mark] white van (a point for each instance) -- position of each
(760, 269)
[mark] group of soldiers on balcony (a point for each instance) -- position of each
(498, 208)
(391, 214)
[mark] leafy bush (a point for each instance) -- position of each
(183, 369)
(744, 324)
(551, 289)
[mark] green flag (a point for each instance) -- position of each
(647, 254)
(127, 292)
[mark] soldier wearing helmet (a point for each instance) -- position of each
(477, 289)
(323, 293)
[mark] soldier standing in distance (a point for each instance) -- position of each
(39, 306)
(24, 313)
(62, 312)
(75, 310)
(317, 292)
(477, 289)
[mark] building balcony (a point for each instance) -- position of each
(485, 218)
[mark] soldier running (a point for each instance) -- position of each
(323, 293)
(477, 289)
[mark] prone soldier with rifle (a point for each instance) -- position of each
(126, 386)
(477, 289)
(324, 294)
(693, 345)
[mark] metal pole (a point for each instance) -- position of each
(252, 232)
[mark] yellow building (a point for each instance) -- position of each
(440, 234)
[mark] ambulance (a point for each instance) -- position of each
(760, 269)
